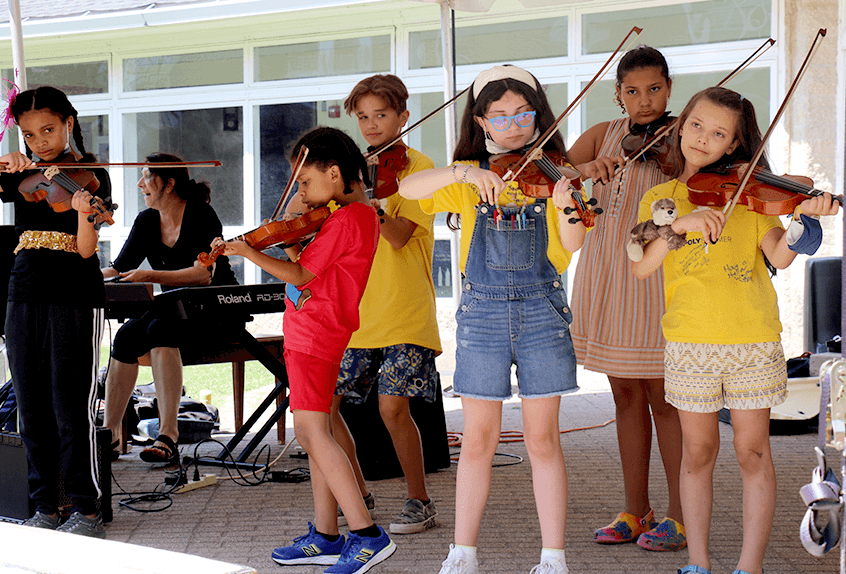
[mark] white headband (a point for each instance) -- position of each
(501, 73)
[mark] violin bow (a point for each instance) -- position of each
(760, 151)
(295, 172)
(666, 129)
(533, 151)
(417, 124)
(208, 163)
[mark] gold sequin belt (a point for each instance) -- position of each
(55, 240)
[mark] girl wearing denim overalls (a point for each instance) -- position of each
(513, 307)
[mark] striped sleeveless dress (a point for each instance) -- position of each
(616, 326)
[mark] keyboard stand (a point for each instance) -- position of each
(277, 368)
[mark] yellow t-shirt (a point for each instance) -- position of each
(398, 306)
(724, 296)
(461, 198)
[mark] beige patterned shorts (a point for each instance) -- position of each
(703, 377)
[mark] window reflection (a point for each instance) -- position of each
(193, 135)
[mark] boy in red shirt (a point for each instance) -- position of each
(325, 285)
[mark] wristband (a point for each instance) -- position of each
(86, 212)
(804, 235)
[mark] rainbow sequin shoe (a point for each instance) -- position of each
(668, 536)
(625, 528)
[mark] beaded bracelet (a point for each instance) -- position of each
(464, 175)
(455, 165)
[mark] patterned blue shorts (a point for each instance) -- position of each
(401, 371)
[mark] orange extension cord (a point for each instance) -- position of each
(508, 436)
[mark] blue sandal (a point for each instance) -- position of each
(694, 569)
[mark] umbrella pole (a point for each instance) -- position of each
(17, 44)
(448, 50)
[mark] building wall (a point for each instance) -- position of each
(808, 137)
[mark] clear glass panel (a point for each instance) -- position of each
(367, 55)
(442, 268)
(183, 70)
(105, 253)
(95, 134)
(430, 138)
(558, 100)
(72, 79)
(754, 84)
(679, 25)
(527, 40)
(193, 135)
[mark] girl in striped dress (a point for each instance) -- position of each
(617, 319)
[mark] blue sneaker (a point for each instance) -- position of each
(310, 549)
(360, 553)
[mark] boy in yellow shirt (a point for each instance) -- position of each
(396, 344)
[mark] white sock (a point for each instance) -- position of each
(554, 555)
(467, 553)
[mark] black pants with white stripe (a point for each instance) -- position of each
(54, 355)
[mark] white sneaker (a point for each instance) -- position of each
(458, 563)
(550, 567)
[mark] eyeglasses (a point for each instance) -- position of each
(502, 123)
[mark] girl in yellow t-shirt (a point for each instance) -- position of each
(721, 325)
(513, 307)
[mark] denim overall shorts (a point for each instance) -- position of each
(513, 310)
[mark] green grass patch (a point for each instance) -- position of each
(216, 378)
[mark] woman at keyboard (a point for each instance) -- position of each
(178, 224)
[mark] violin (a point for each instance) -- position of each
(275, 234)
(384, 169)
(57, 186)
(640, 139)
(538, 178)
(765, 193)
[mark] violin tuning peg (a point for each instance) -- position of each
(107, 199)
(598, 210)
(97, 226)
(574, 220)
(92, 201)
(568, 210)
(113, 206)
(91, 219)
(592, 201)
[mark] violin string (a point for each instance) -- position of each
(70, 185)
(785, 183)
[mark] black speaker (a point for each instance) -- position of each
(822, 301)
(374, 447)
(14, 490)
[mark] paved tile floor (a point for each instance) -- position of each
(242, 525)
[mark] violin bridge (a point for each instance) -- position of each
(51, 172)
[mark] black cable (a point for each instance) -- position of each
(294, 475)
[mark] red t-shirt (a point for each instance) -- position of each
(321, 315)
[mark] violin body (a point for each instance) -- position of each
(538, 180)
(276, 234)
(534, 182)
(385, 168)
(759, 195)
(57, 186)
(38, 187)
(641, 137)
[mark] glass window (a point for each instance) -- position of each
(524, 40)
(442, 268)
(430, 138)
(193, 135)
(72, 79)
(679, 25)
(183, 70)
(95, 134)
(754, 84)
(367, 55)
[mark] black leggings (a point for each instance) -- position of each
(54, 355)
